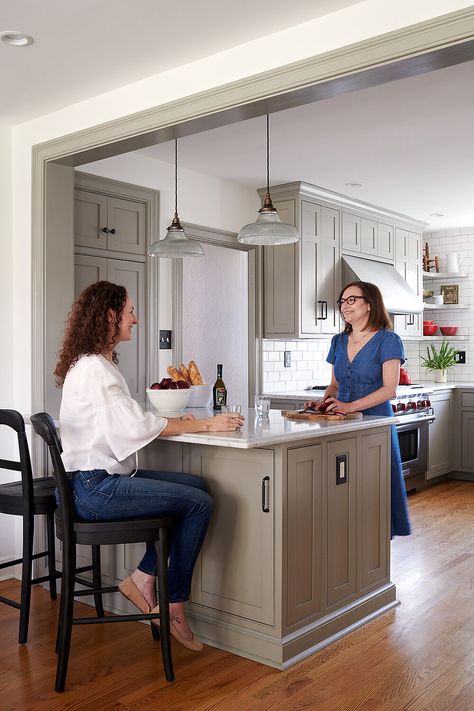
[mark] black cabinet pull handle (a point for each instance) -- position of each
(265, 506)
(324, 310)
(112, 231)
(104, 229)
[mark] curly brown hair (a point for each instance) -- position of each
(88, 327)
(378, 316)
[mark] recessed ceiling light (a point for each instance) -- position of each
(437, 214)
(353, 185)
(15, 39)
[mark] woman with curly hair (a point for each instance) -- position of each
(102, 429)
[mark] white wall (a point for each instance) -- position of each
(6, 273)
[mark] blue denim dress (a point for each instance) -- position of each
(362, 377)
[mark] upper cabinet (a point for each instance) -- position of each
(302, 280)
(367, 237)
(109, 222)
(408, 264)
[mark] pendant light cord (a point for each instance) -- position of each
(268, 154)
(175, 176)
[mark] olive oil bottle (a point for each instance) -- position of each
(219, 392)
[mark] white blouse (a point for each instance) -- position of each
(101, 425)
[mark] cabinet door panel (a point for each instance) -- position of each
(88, 270)
(305, 533)
(127, 218)
(368, 236)
(280, 278)
(350, 232)
(310, 245)
(329, 272)
(467, 438)
(374, 479)
(234, 572)
(341, 526)
(440, 437)
(132, 275)
(385, 241)
(90, 217)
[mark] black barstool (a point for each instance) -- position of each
(28, 498)
(72, 531)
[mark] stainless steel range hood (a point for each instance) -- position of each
(399, 298)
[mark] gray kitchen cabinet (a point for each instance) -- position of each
(440, 436)
(373, 513)
(341, 521)
(302, 280)
(110, 223)
(132, 275)
(408, 264)
(367, 236)
(306, 533)
(276, 404)
(235, 569)
(350, 237)
(465, 428)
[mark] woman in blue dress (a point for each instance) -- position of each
(366, 360)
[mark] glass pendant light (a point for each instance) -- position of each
(268, 229)
(175, 244)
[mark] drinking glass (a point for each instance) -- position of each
(236, 409)
(262, 405)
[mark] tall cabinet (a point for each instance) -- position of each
(113, 226)
(302, 280)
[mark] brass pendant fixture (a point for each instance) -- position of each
(175, 244)
(268, 229)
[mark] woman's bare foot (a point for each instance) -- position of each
(147, 586)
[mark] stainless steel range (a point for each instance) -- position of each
(414, 414)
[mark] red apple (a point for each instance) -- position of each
(155, 386)
(183, 385)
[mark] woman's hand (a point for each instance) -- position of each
(229, 422)
(342, 408)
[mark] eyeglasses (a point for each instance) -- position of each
(350, 300)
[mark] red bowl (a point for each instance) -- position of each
(430, 329)
(428, 323)
(448, 330)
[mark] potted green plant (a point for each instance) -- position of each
(440, 360)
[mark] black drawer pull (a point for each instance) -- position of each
(265, 483)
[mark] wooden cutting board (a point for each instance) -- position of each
(315, 416)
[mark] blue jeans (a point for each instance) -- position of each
(99, 496)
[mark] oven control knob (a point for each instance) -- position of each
(411, 405)
(401, 406)
(394, 408)
(420, 404)
(427, 403)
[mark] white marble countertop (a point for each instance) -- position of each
(309, 394)
(275, 430)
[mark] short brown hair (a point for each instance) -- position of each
(378, 315)
(87, 328)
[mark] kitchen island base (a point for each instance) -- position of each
(298, 550)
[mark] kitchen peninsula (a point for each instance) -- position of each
(298, 549)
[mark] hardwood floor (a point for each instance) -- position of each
(418, 657)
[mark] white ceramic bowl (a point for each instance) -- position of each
(168, 402)
(201, 396)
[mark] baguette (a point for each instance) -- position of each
(185, 373)
(194, 374)
(174, 373)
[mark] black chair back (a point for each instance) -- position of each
(44, 426)
(13, 419)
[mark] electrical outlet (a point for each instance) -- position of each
(287, 359)
(342, 470)
(461, 357)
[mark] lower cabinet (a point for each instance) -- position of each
(440, 437)
(467, 438)
(235, 570)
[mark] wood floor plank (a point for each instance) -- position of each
(417, 657)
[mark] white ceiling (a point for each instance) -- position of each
(409, 142)
(87, 47)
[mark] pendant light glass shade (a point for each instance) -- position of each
(175, 243)
(268, 229)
